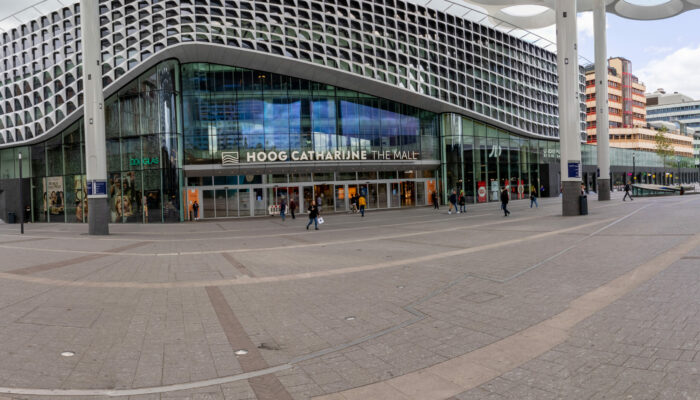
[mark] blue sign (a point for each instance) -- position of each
(100, 188)
(97, 188)
(574, 169)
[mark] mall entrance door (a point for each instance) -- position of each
(408, 194)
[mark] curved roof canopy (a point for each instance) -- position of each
(633, 9)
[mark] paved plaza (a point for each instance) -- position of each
(402, 304)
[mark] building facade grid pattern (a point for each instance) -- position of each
(431, 53)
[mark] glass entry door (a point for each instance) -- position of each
(244, 203)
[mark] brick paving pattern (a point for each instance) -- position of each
(404, 304)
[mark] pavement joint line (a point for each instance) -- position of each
(271, 235)
(475, 368)
(72, 261)
(276, 248)
(265, 388)
(245, 280)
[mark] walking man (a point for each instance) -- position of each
(453, 202)
(292, 206)
(462, 202)
(436, 203)
(313, 215)
(362, 203)
(504, 202)
(627, 192)
(533, 198)
(283, 209)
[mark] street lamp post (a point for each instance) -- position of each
(634, 167)
(21, 198)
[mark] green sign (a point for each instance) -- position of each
(134, 162)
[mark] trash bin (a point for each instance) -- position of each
(11, 218)
(583, 203)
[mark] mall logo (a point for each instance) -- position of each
(229, 158)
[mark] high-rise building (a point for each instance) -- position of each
(627, 106)
(673, 107)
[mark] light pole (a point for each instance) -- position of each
(21, 198)
(634, 167)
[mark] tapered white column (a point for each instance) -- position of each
(601, 102)
(94, 116)
(569, 105)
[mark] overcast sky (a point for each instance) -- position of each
(664, 54)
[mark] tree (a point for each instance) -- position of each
(664, 148)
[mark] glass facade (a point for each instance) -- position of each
(481, 160)
(167, 130)
(144, 160)
(229, 109)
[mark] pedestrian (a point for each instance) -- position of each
(354, 203)
(436, 203)
(313, 215)
(504, 202)
(533, 198)
(292, 207)
(462, 202)
(453, 202)
(627, 192)
(195, 210)
(283, 209)
(363, 203)
(318, 203)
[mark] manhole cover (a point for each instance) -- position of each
(68, 354)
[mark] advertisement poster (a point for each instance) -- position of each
(54, 195)
(521, 189)
(431, 190)
(125, 199)
(495, 192)
(81, 210)
(481, 190)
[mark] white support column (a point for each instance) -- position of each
(601, 102)
(94, 116)
(569, 105)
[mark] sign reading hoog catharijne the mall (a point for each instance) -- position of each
(228, 158)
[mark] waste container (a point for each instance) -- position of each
(583, 203)
(11, 218)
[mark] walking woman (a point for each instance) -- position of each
(313, 215)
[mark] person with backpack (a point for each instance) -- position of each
(462, 202)
(313, 215)
(363, 204)
(627, 192)
(453, 202)
(533, 198)
(504, 202)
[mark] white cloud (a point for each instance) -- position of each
(674, 72)
(657, 50)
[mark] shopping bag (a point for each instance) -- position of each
(320, 220)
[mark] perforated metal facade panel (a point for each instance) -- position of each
(433, 55)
